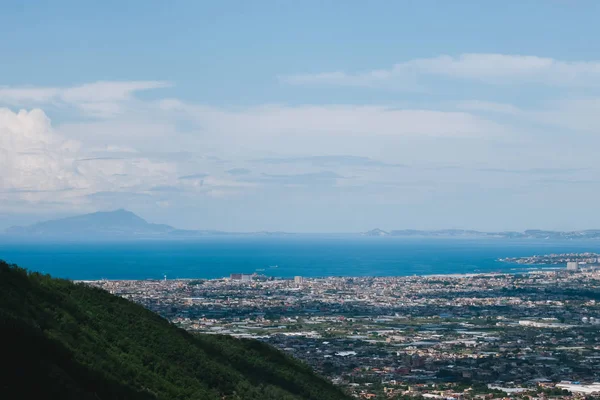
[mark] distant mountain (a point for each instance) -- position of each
(119, 224)
(71, 341)
(440, 233)
(376, 232)
(528, 234)
(123, 224)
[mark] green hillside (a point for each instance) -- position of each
(68, 341)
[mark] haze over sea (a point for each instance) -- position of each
(305, 255)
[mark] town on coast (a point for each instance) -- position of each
(453, 336)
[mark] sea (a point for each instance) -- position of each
(283, 257)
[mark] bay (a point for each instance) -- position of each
(287, 256)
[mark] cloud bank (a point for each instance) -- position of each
(101, 145)
(497, 69)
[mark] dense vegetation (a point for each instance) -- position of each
(69, 341)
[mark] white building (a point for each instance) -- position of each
(576, 388)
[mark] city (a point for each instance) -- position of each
(445, 336)
(300, 200)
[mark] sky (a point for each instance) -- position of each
(312, 116)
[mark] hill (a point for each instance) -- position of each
(70, 341)
(376, 232)
(109, 225)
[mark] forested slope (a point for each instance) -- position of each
(69, 341)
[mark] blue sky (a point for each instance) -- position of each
(302, 116)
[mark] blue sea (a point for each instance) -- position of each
(305, 255)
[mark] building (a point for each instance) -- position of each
(572, 266)
(240, 277)
(593, 388)
(298, 279)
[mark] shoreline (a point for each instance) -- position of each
(550, 269)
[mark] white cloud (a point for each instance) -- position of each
(482, 67)
(113, 149)
(33, 157)
(99, 99)
(569, 116)
(39, 165)
(109, 174)
(142, 131)
(581, 114)
(107, 91)
(344, 120)
(135, 156)
(28, 95)
(385, 133)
